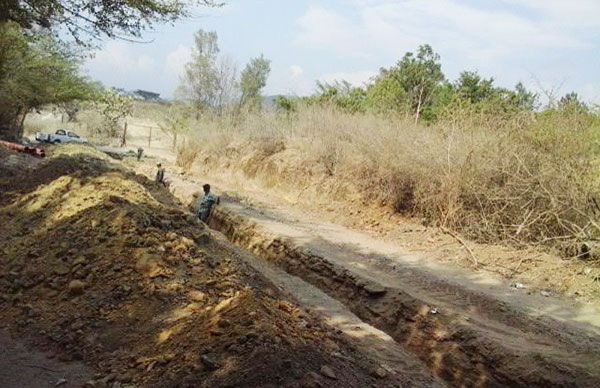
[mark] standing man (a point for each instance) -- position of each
(160, 175)
(206, 203)
(140, 152)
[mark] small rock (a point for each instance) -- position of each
(209, 362)
(125, 377)
(546, 293)
(328, 372)
(108, 378)
(379, 373)
(518, 286)
(61, 269)
(197, 296)
(76, 287)
(60, 382)
(224, 323)
(374, 289)
(331, 346)
(79, 260)
(202, 239)
(151, 366)
(434, 310)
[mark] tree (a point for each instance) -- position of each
(472, 87)
(253, 80)
(175, 123)
(114, 109)
(340, 94)
(209, 80)
(570, 103)
(34, 71)
(285, 104)
(525, 99)
(386, 96)
(110, 18)
(413, 79)
(226, 83)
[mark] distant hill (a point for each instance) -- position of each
(140, 95)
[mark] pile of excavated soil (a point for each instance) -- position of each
(99, 265)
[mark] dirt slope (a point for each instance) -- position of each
(99, 265)
(471, 329)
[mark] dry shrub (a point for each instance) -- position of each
(187, 153)
(521, 178)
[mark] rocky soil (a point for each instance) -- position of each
(100, 266)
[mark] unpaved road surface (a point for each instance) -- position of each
(469, 328)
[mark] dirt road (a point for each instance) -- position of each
(470, 328)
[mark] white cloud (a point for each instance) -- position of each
(176, 60)
(117, 56)
(391, 27)
(296, 71)
(322, 28)
(358, 78)
(577, 14)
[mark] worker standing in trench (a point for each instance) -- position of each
(206, 203)
(160, 175)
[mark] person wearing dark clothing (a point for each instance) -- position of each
(140, 152)
(206, 203)
(160, 175)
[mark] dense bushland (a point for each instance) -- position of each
(524, 178)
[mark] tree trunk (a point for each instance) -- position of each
(124, 138)
(419, 103)
(21, 123)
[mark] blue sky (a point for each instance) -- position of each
(547, 44)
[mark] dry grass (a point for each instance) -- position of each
(521, 178)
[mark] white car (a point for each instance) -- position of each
(60, 136)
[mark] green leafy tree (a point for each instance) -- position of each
(35, 71)
(96, 19)
(387, 96)
(442, 99)
(472, 87)
(199, 82)
(413, 80)
(524, 99)
(114, 109)
(285, 104)
(253, 80)
(209, 80)
(340, 94)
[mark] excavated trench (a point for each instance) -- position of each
(460, 348)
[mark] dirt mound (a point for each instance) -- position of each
(97, 264)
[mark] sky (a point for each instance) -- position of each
(549, 45)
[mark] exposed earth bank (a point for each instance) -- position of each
(100, 266)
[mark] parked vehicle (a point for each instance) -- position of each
(60, 136)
